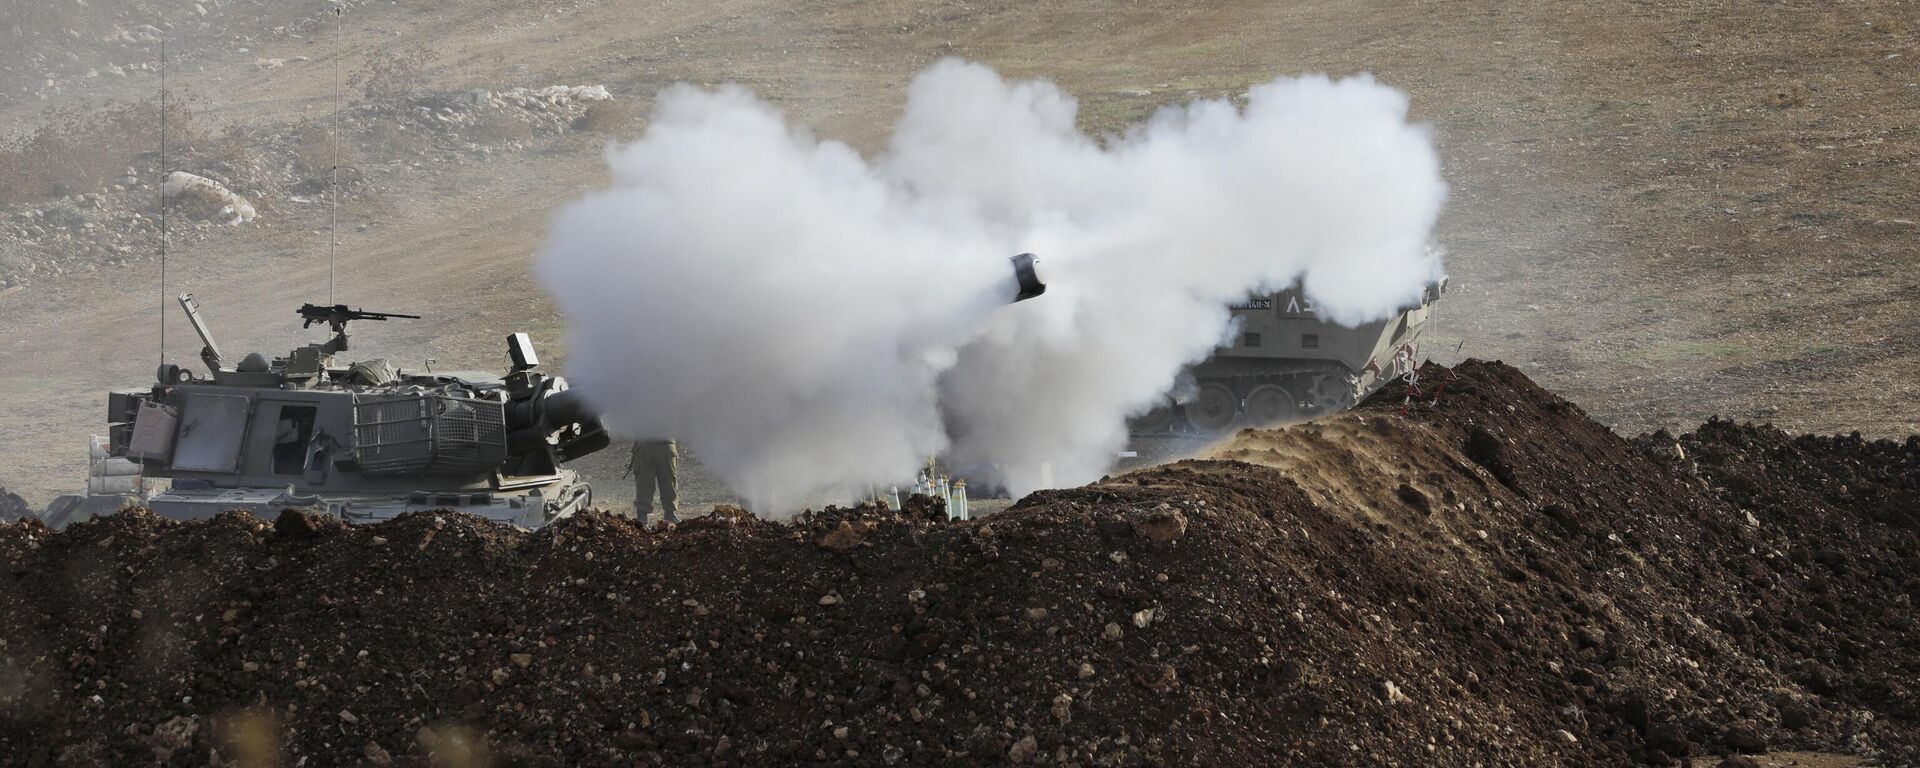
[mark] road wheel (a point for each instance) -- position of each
(1214, 409)
(1152, 422)
(1331, 393)
(1269, 405)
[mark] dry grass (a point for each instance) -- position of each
(313, 147)
(80, 150)
(397, 140)
(501, 126)
(613, 116)
(393, 77)
(240, 158)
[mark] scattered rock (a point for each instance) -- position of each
(1158, 678)
(301, 524)
(1163, 525)
(1412, 497)
(1393, 694)
(1795, 717)
(172, 736)
(1746, 739)
(1669, 739)
(841, 539)
(1063, 708)
(1489, 451)
(1023, 750)
(205, 199)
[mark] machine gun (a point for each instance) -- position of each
(337, 317)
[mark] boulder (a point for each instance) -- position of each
(205, 199)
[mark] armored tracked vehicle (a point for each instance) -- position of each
(364, 440)
(1287, 364)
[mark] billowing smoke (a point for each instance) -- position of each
(812, 322)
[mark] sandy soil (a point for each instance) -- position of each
(1664, 210)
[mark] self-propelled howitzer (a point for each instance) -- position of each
(1285, 363)
(364, 440)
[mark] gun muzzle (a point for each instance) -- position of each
(1027, 276)
(567, 406)
(550, 414)
(574, 424)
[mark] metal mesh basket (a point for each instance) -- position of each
(429, 434)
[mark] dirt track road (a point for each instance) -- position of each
(1662, 210)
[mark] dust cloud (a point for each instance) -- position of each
(814, 323)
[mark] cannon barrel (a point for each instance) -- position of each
(1026, 278)
(568, 406)
(541, 412)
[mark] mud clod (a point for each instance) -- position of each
(1162, 525)
(841, 539)
(300, 524)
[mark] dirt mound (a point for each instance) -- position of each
(1482, 576)
(1764, 468)
(1840, 589)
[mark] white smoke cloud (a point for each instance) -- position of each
(812, 322)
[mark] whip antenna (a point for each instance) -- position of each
(333, 173)
(161, 190)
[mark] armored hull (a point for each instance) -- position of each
(1285, 363)
(364, 441)
(530, 508)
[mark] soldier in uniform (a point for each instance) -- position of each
(654, 465)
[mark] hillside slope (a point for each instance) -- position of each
(1478, 574)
